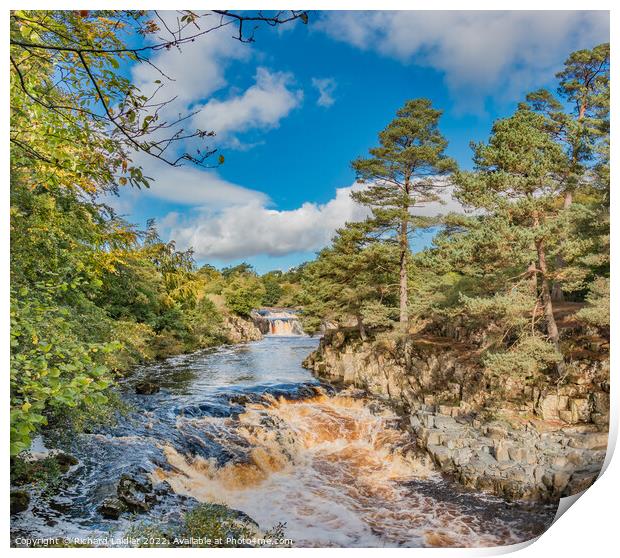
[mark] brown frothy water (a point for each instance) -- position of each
(338, 470)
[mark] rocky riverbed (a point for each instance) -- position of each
(243, 439)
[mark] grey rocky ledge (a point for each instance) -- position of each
(517, 463)
(535, 442)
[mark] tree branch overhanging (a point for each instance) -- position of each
(61, 47)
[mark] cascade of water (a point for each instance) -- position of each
(247, 426)
(281, 322)
(338, 469)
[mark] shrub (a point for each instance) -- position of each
(243, 294)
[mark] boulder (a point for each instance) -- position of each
(136, 492)
(497, 441)
(111, 508)
(549, 407)
(444, 422)
(594, 441)
(20, 500)
(441, 455)
(580, 409)
(239, 330)
(560, 480)
(146, 388)
(501, 451)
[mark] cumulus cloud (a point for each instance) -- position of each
(261, 106)
(227, 221)
(192, 74)
(190, 186)
(254, 228)
(251, 227)
(326, 88)
(477, 51)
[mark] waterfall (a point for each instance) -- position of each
(278, 321)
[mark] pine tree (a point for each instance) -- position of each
(584, 86)
(517, 178)
(582, 129)
(403, 174)
(351, 281)
(585, 83)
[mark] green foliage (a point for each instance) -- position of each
(52, 368)
(91, 295)
(273, 288)
(517, 179)
(581, 126)
(244, 293)
(375, 315)
(411, 146)
(352, 282)
(43, 473)
(539, 218)
(241, 269)
(215, 522)
(525, 359)
(597, 313)
(58, 130)
(401, 175)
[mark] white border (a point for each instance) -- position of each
(587, 529)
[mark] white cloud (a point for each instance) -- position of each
(251, 227)
(226, 221)
(479, 52)
(192, 186)
(186, 185)
(198, 71)
(326, 88)
(261, 106)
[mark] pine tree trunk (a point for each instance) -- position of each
(545, 291)
(533, 279)
(361, 328)
(404, 248)
(552, 327)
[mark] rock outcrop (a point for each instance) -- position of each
(536, 440)
(238, 330)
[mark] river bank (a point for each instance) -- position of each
(515, 439)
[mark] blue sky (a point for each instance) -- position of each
(294, 108)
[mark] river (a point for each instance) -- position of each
(249, 427)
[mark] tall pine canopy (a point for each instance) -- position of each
(518, 177)
(402, 174)
(579, 121)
